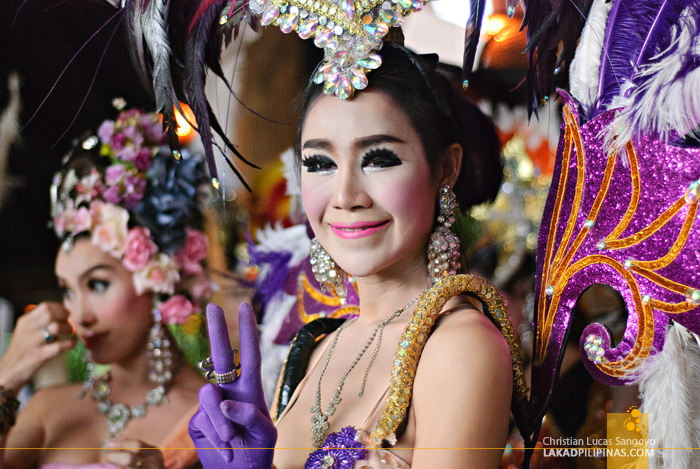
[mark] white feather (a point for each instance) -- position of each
(586, 63)
(670, 389)
(664, 103)
(296, 209)
(278, 239)
(9, 132)
(272, 354)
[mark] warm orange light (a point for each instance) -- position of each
(495, 23)
(184, 130)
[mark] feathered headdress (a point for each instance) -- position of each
(174, 42)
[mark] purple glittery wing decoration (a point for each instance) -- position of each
(339, 451)
(629, 221)
(312, 302)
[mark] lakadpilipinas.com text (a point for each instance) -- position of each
(598, 448)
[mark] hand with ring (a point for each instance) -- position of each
(40, 334)
(132, 454)
(232, 428)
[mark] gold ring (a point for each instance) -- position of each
(139, 462)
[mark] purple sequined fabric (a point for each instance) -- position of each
(668, 177)
(339, 451)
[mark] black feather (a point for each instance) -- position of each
(553, 29)
(471, 38)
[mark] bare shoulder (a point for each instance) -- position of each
(462, 391)
(45, 407)
(47, 396)
(467, 333)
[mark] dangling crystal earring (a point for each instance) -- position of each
(159, 360)
(443, 250)
(327, 273)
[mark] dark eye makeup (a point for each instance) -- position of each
(318, 164)
(374, 160)
(380, 158)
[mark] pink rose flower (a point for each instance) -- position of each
(200, 286)
(154, 129)
(106, 131)
(125, 154)
(111, 230)
(193, 252)
(129, 131)
(159, 275)
(88, 187)
(142, 160)
(114, 174)
(117, 142)
(139, 248)
(176, 310)
(111, 195)
(82, 220)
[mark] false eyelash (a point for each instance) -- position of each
(380, 158)
(318, 164)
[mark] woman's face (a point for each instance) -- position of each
(366, 185)
(109, 317)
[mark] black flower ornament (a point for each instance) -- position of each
(170, 202)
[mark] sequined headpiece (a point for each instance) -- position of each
(139, 205)
(350, 33)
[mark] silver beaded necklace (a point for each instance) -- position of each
(161, 374)
(320, 419)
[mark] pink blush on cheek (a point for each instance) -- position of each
(314, 204)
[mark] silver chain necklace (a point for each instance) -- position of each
(320, 419)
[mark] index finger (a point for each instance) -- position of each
(221, 352)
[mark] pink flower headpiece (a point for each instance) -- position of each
(140, 208)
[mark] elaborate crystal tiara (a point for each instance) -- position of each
(350, 33)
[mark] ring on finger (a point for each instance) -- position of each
(48, 337)
(139, 462)
(207, 365)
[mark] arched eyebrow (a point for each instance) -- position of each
(360, 143)
(92, 269)
(372, 140)
(317, 144)
(84, 275)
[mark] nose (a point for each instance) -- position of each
(81, 312)
(350, 193)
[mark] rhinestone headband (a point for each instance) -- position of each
(350, 33)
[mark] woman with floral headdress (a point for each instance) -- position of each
(424, 375)
(130, 263)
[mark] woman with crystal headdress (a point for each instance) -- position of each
(130, 262)
(425, 364)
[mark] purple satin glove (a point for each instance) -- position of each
(232, 428)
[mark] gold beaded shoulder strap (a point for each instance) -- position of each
(416, 334)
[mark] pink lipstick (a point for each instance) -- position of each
(360, 229)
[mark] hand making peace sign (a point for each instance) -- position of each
(232, 427)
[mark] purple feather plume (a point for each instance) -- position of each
(663, 97)
(659, 36)
(634, 28)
